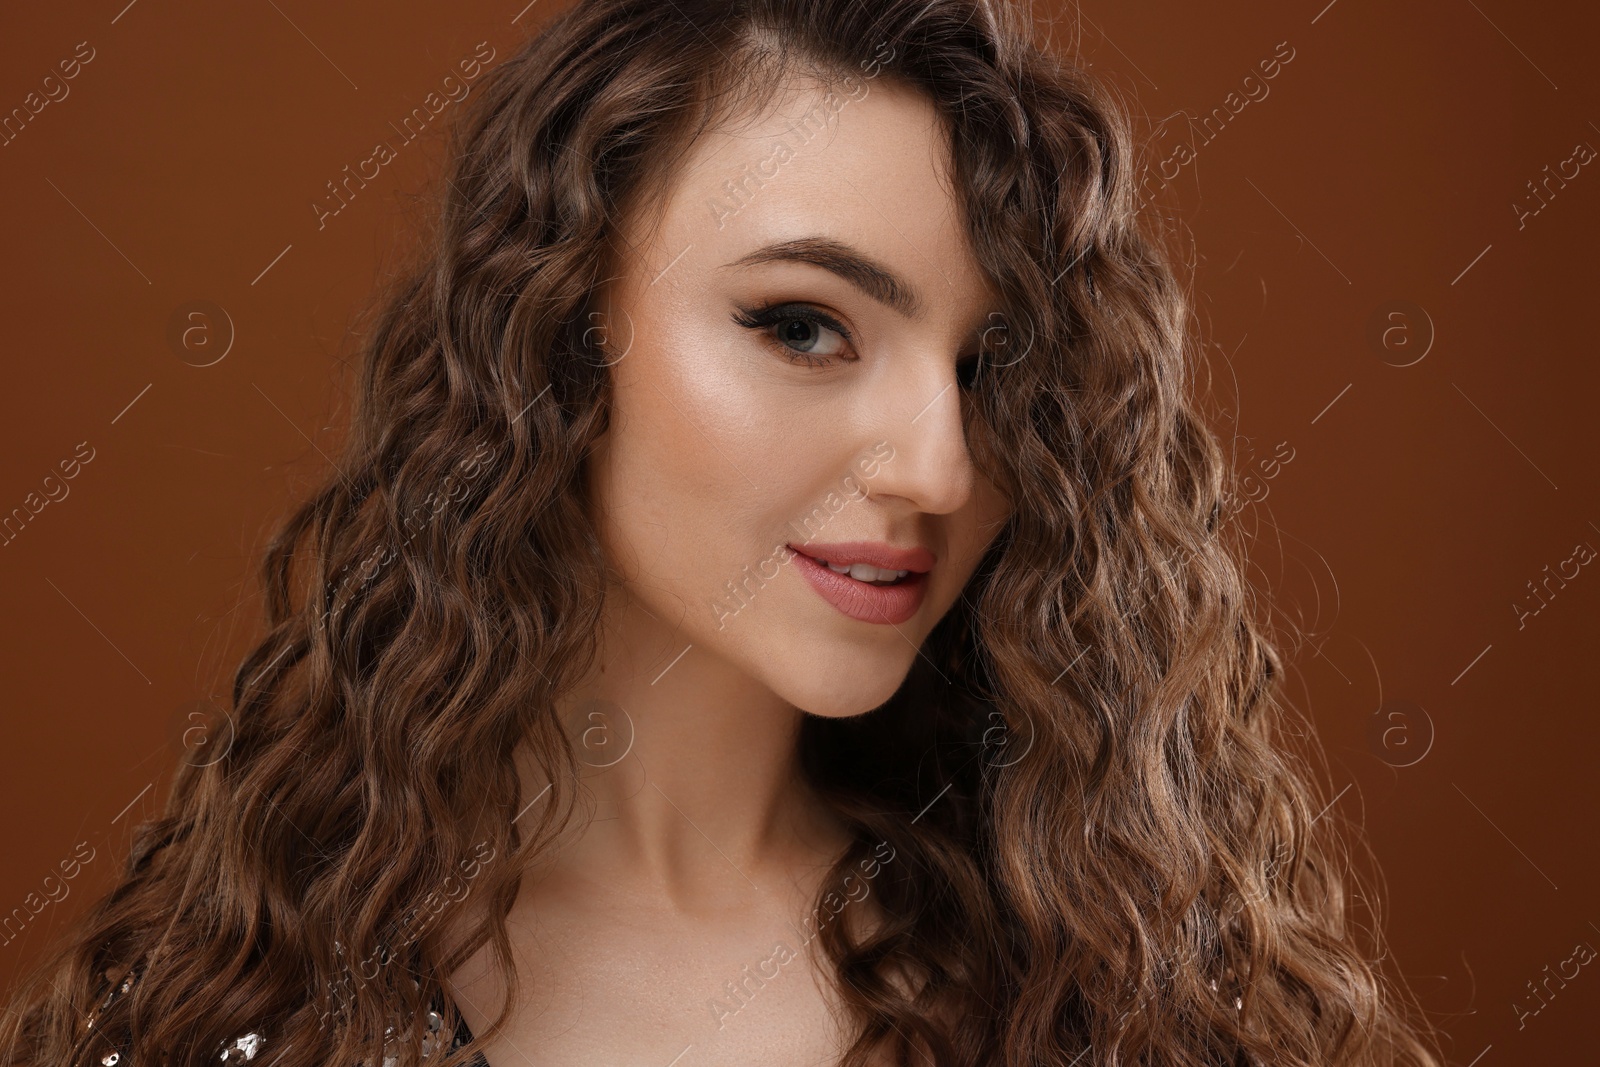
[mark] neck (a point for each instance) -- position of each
(691, 770)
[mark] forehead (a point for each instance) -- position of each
(865, 162)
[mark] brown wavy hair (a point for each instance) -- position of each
(1100, 809)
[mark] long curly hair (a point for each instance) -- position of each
(1088, 813)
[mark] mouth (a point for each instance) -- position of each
(864, 572)
(867, 591)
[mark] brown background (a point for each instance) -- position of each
(1420, 500)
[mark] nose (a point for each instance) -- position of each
(922, 420)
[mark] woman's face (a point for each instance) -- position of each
(790, 346)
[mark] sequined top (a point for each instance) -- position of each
(245, 1047)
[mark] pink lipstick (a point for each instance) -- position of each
(886, 602)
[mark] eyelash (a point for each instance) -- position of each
(764, 318)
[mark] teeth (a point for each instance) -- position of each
(865, 572)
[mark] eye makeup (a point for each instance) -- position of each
(768, 316)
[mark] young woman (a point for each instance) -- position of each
(773, 607)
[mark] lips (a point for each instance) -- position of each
(864, 601)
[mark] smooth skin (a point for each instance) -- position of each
(706, 850)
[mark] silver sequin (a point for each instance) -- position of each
(243, 1048)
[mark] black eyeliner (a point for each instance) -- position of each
(771, 314)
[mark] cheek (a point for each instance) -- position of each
(978, 525)
(698, 468)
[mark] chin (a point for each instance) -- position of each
(841, 687)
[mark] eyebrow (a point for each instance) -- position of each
(865, 273)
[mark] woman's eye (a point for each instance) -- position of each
(806, 335)
(800, 334)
